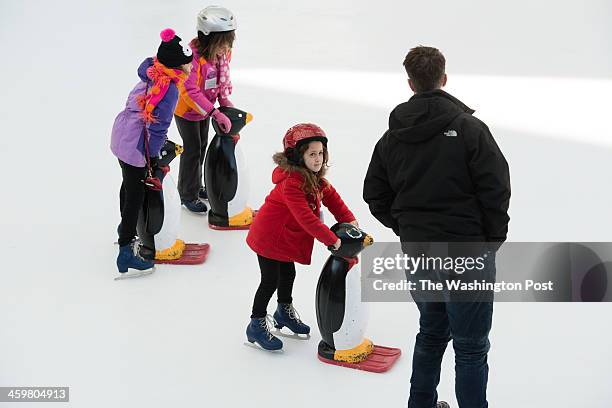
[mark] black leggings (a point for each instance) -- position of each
(275, 275)
(131, 198)
(195, 140)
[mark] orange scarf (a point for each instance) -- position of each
(161, 77)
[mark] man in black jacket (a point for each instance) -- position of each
(437, 175)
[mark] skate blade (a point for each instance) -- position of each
(293, 336)
(258, 347)
(135, 274)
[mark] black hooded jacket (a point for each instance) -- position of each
(438, 175)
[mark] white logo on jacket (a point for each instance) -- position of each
(450, 133)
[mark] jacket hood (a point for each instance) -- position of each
(284, 169)
(425, 115)
(280, 173)
(142, 69)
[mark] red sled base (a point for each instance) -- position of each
(381, 360)
(194, 254)
(220, 228)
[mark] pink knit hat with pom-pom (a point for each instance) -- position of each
(172, 52)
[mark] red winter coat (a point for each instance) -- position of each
(287, 223)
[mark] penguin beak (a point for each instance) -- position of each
(178, 149)
(249, 118)
(368, 241)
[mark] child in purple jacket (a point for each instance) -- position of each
(147, 115)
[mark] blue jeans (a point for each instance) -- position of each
(468, 325)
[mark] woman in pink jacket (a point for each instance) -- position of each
(208, 83)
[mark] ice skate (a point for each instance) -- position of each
(287, 316)
(130, 264)
(258, 332)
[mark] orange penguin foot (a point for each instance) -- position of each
(366, 356)
(240, 221)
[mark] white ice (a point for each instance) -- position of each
(537, 72)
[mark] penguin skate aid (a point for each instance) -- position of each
(226, 174)
(285, 229)
(341, 316)
(137, 137)
(159, 220)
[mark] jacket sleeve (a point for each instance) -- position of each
(191, 93)
(491, 178)
(377, 191)
(335, 204)
(225, 90)
(296, 202)
(158, 130)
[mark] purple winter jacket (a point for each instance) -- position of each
(127, 137)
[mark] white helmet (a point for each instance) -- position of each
(214, 19)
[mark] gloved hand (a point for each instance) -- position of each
(224, 123)
(151, 181)
(155, 165)
(226, 102)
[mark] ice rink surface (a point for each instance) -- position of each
(538, 73)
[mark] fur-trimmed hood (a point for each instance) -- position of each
(285, 169)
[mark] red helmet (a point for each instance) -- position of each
(302, 133)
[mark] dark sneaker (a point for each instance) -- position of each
(196, 206)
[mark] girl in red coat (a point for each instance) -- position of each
(287, 224)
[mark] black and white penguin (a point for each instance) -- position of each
(341, 316)
(226, 176)
(159, 221)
